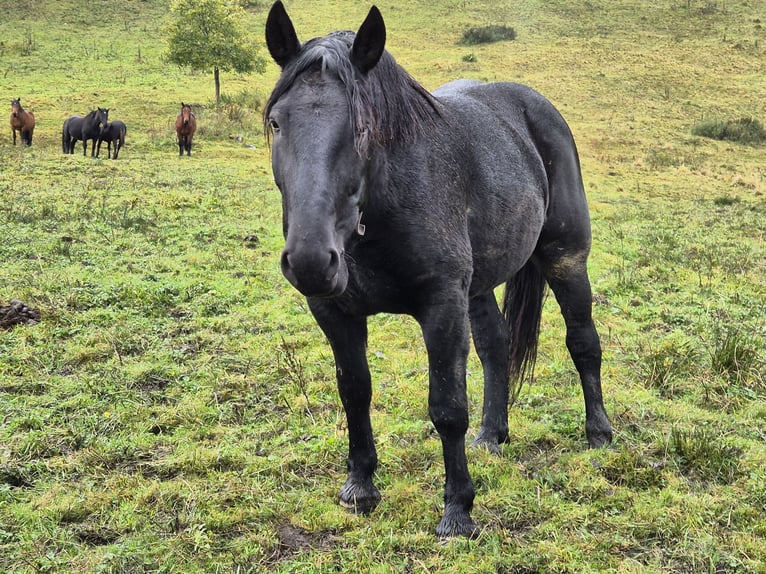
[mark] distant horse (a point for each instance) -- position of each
(397, 200)
(23, 121)
(113, 132)
(84, 128)
(186, 125)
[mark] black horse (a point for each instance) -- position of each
(397, 200)
(84, 128)
(113, 132)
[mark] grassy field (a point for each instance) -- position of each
(175, 410)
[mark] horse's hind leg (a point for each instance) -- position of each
(567, 276)
(491, 339)
(348, 338)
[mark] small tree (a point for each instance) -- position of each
(207, 35)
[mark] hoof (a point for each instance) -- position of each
(457, 524)
(599, 435)
(491, 440)
(359, 497)
(491, 445)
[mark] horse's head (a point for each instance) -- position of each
(103, 118)
(319, 165)
(186, 113)
(15, 107)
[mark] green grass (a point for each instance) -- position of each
(175, 408)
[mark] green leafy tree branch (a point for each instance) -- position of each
(207, 35)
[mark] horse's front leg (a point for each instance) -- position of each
(348, 338)
(14, 136)
(446, 334)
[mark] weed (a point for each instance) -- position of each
(702, 455)
(629, 468)
(725, 200)
(735, 355)
(664, 157)
(290, 367)
(487, 34)
(667, 366)
(743, 130)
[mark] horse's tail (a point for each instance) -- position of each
(123, 131)
(523, 308)
(63, 138)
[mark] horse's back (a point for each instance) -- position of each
(524, 117)
(516, 105)
(119, 129)
(72, 125)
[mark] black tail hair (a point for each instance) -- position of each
(523, 308)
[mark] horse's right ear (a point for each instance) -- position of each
(370, 41)
(281, 38)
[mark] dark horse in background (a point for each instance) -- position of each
(113, 132)
(186, 125)
(84, 128)
(400, 201)
(22, 121)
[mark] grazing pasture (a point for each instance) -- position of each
(175, 410)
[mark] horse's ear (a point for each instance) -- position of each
(281, 38)
(370, 41)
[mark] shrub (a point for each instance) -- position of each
(487, 35)
(735, 356)
(743, 130)
(703, 455)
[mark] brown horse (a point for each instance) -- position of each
(23, 121)
(186, 125)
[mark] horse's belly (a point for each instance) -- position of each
(502, 243)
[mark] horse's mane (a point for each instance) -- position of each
(387, 105)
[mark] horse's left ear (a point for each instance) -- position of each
(370, 41)
(281, 38)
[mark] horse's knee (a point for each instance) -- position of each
(449, 418)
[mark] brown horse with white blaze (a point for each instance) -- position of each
(186, 125)
(23, 121)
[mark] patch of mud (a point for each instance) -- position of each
(293, 540)
(17, 313)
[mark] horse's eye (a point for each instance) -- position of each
(274, 126)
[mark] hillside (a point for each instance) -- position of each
(175, 410)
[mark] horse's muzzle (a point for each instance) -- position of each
(315, 272)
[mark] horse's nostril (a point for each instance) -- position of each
(285, 260)
(332, 267)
